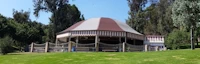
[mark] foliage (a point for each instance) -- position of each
(177, 38)
(22, 30)
(5, 27)
(5, 45)
(63, 14)
(68, 15)
(185, 15)
(152, 20)
(135, 20)
(49, 6)
(21, 16)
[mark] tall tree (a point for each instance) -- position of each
(49, 6)
(165, 24)
(63, 14)
(185, 15)
(134, 20)
(67, 16)
(152, 20)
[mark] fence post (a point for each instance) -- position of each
(46, 46)
(32, 46)
(156, 48)
(146, 47)
(69, 46)
(124, 48)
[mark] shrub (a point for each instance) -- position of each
(5, 45)
(177, 39)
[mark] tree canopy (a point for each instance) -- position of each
(63, 14)
(23, 31)
(185, 15)
(166, 17)
(152, 20)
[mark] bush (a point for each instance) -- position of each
(177, 39)
(5, 45)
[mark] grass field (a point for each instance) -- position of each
(162, 57)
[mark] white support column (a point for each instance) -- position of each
(56, 42)
(77, 41)
(69, 39)
(123, 46)
(124, 43)
(96, 43)
(69, 44)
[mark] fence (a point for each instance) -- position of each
(110, 47)
(89, 47)
(85, 47)
(131, 48)
(37, 47)
(59, 47)
(48, 47)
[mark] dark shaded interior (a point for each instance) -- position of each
(107, 40)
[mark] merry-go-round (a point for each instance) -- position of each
(101, 34)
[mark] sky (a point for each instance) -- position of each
(116, 9)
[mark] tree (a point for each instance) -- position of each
(5, 45)
(185, 15)
(176, 39)
(82, 18)
(153, 20)
(135, 20)
(21, 16)
(22, 30)
(164, 20)
(68, 15)
(63, 14)
(49, 6)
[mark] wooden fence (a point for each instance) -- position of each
(48, 47)
(90, 47)
(132, 48)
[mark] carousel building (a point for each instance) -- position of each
(101, 34)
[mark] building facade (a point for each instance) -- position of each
(154, 42)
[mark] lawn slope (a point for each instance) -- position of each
(162, 57)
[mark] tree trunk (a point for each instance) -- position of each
(54, 27)
(191, 38)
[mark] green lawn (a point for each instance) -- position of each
(162, 57)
